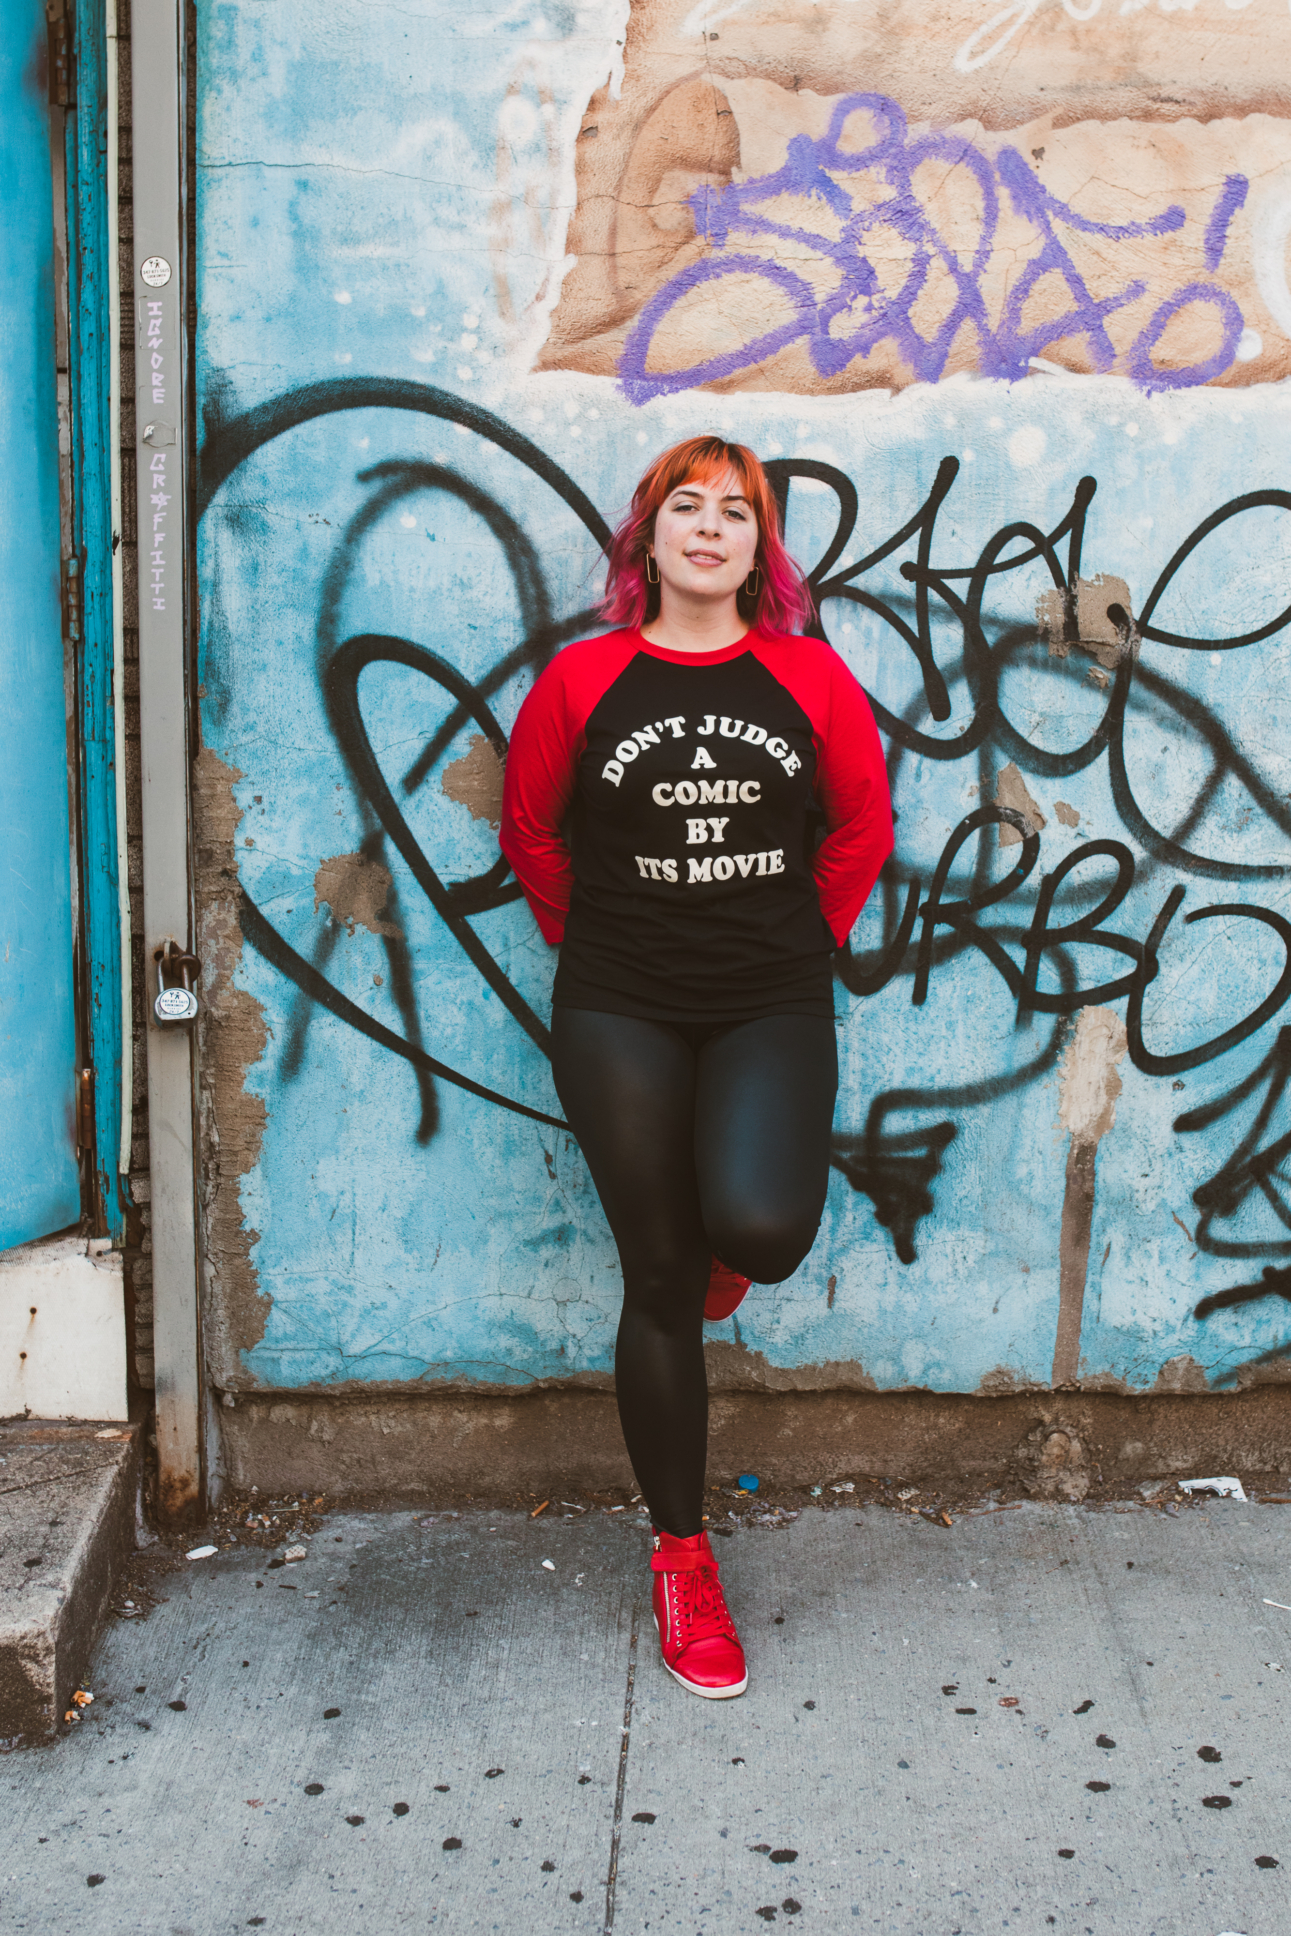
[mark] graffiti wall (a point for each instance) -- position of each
(1000, 293)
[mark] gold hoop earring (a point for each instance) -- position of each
(753, 583)
(652, 577)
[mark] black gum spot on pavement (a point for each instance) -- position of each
(791, 1906)
(1209, 1754)
(1066, 1854)
(1098, 1787)
(441, 1787)
(1217, 1801)
(400, 1808)
(331, 1713)
(452, 1842)
(575, 1895)
(737, 1761)
(784, 1855)
(1104, 1741)
(809, 1704)
(759, 1848)
(144, 1690)
(583, 1780)
(178, 1707)
(1083, 1708)
(767, 1912)
(951, 1687)
(965, 1710)
(548, 1868)
(491, 1774)
(93, 1881)
(1266, 1862)
(313, 1787)
(356, 1821)
(644, 1815)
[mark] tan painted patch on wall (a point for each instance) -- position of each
(475, 781)
(1153, 113)
(355, 890)
(1011, 791)
(1067, 816)
(231, 1037)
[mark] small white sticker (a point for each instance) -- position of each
(155, 271)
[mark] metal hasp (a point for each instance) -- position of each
(161, 395)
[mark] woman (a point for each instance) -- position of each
(695, 749)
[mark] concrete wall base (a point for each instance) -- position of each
(1057, 1444)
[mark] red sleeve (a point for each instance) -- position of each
(542, 766)
(851, 777)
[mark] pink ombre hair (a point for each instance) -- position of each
(782, 602)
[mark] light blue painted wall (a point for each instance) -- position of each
(348, 192)
(41, 1188)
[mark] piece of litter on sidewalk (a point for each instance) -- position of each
(296, 1553)
(748, 1481)
(202, 1552)
(1281, 1607)
(550, 1565)
(542, 1508)
(816, 1491)
(847, 1486)
(1221, 1488)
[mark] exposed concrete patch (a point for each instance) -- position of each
(68, 1495)
(422, 1444)
(356, 890)
(1086, 623)
(231, 1038)
(475, 781)
(1067, 816)
(1088, 1085)
(1181, 1375)
(1011, 791)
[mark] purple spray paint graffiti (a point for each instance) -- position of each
(864, 192)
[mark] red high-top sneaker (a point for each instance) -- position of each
(726, 1291)
(696, 1633)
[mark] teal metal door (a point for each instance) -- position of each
(39, 1175)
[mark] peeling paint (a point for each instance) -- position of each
(231, 1037)
(356, 890)
(1088, 1086)
(475, 781)
(1011, 791)
(1067, 815)
(1084, 620)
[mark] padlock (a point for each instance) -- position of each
(176, 1003)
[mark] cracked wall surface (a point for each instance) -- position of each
(1013, 333)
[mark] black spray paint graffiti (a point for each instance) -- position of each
(926, 925)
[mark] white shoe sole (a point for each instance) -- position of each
(704, 1693)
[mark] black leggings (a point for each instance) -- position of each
(700, 1141)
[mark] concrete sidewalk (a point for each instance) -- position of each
(1046, 1718)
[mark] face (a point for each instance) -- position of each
(705, 539)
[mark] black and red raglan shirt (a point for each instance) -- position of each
(692, 888)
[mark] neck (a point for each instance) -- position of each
(705, 626)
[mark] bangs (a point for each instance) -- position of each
(782, 600)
